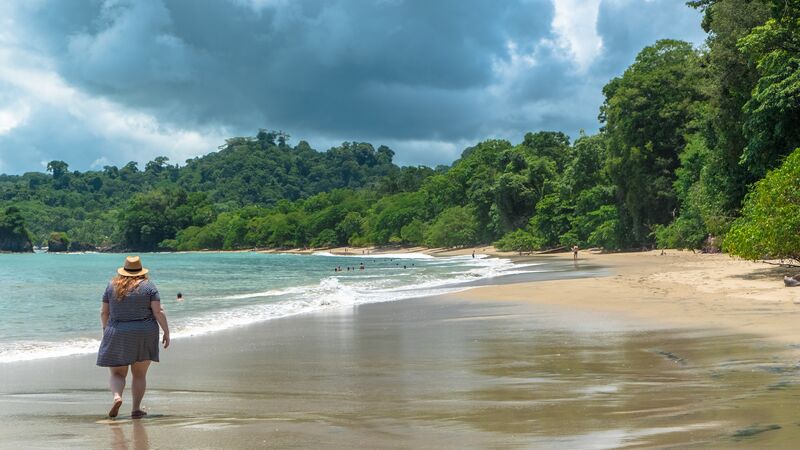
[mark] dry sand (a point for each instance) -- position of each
(679, 288)
(355, 251)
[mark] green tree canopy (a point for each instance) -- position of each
(773, 111)
(646, 114)
(455, 227)
(770, 222)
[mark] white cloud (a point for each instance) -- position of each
(515, 62)
(138, 135)
(100, 162)
(575, 25)
(13, 116)
(258, 5)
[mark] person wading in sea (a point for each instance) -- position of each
(130, 315)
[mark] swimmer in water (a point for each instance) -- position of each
(179, 297)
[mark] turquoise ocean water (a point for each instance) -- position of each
(50, 303)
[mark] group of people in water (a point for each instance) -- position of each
(361, 266)
(339, 268)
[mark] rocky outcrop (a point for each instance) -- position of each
(82, 247)
(115, 248)
(13, 235)
(15, 243)
(59, 242)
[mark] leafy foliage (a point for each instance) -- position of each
(773, 111)
(518, 241)
(731, 77)
(455, 227)
(770, 222)
(647, 113)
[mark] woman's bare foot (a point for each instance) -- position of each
(138, 414)
(115, 407)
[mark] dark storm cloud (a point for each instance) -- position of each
(399, 69)
(427, 77)
(629, 25)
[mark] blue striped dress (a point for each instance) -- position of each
(132, 332)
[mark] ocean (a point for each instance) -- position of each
(50, 303)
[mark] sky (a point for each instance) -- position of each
(104, 82)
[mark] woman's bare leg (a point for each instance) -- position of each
(117, 383)
(139, 383)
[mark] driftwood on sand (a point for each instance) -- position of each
(551, 250)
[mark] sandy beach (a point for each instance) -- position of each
(679, 288)
(680, 350)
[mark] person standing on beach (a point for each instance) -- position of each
(131, 315)
(574, 252)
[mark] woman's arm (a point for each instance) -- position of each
(161, 318)
(104, 314)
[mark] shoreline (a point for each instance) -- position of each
(678, 289)
(85, 342)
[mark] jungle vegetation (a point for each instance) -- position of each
(697, 147)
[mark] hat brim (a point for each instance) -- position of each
(125, 273)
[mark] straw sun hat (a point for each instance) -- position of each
(132, 268)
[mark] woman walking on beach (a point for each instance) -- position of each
(131, 314)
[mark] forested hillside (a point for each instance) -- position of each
(495, 188)
(687, 137)
(92, 206)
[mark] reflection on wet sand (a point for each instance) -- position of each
(119, 441)
(435, 374)
(658, 388)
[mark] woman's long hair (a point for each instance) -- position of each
(123, 286)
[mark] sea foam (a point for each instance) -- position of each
(340, 291)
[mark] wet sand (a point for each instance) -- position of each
(428, 373)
